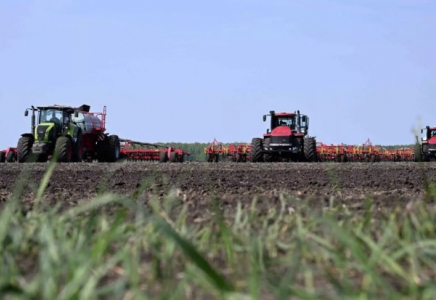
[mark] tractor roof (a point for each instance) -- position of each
(84, 107)
(55, 106)
(284, 114)
(432, 128)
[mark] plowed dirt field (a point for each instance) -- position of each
(387, 184)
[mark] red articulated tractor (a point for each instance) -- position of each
(427, 150)
(286, 140)
(75, 134)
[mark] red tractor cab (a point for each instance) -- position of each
(428, 145)
(286, 140)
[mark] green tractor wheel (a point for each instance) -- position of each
(64, 149)
(24, 148)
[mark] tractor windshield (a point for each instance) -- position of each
(432, 133)
(286, 121)
(51, 116)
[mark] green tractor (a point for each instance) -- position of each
(69, 134)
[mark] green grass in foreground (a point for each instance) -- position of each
(117, 248)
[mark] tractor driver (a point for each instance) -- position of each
(51, 117)
(55, 120)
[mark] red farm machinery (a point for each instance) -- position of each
(426, 151)
(229, 152)
(366, 152)
(73, 134)
(286, 140)
(9, 155)
(140, 151)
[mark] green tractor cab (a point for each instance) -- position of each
(52, 132)
(68, 134)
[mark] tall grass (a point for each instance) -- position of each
(115, 247)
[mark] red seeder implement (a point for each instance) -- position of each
(362, 153)
(9, 155)
(139, 151)
(214, 151)
(232, 152)
(239, 153)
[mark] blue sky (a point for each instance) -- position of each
(198, 70)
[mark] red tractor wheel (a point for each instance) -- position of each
(257, 150)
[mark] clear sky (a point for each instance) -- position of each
(184, 70)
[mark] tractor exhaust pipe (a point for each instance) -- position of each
(33, 120)
(298, 122)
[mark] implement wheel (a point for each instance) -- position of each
(78, 148)
(163, 157)
(114, 149)
(2, 157)
(11, 157)
(173, 157)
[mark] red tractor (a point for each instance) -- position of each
(286, 140)
(427, 150)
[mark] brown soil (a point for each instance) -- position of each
(388, 184)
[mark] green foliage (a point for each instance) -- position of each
(134, 253)
(118, 248)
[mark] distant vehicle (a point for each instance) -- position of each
(286, 140)
(74, 134)
(426, 151)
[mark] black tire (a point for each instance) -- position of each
(102, 149)
(64, 149)
(114, 148)
(418, 153)
(309, 150)
(24, 148)
(257, 150)
(11, 157)
(182, 158)
(78, 148)
(216, 158)
(173, 157)
(266, 157)
(163, 158)
(2, 157)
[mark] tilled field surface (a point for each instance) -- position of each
(387, 184)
